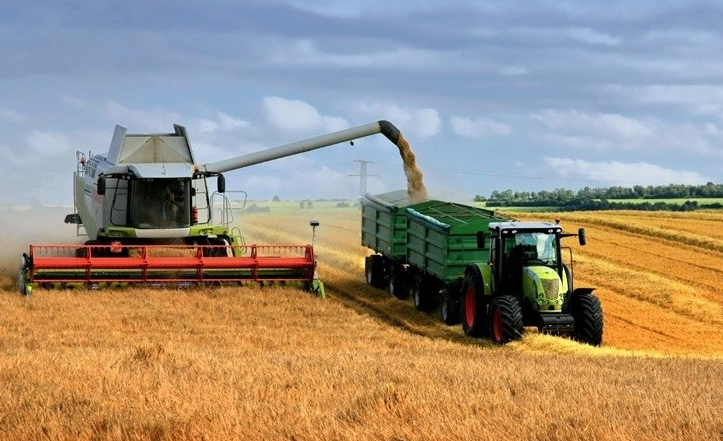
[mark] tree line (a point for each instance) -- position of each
(599, 198)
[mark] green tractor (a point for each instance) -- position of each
(527, 284)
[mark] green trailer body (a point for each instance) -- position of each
(442, 238)
(384, 223)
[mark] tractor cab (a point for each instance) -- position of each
(520, 245)
(526, 261)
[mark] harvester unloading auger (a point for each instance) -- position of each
(150, 218)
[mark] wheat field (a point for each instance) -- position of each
(274, 362)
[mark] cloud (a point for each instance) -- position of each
(607, 132)
(11, 116)
(305, 52)
(596, 130)
(299, 116)
(140, 120)
(222, 123)
(416, 122)
(621, 173)
(699, 98)
(480, 127)
(587, 35)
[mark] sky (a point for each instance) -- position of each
(491, 95)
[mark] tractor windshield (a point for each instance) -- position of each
(533, 246)
(161, 203)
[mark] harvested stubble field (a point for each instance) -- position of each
(277, 363)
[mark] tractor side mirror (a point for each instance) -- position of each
(481, 240)
(101, 185)
(221, 184)
(581, 236)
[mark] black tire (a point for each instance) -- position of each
(83, 252)
(473, 308)
(399, 282)
(505, 320)
(374, 270)
(450, 308)
(588, 315)
(423, 294)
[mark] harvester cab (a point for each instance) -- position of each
(147, 190)
(531, 285)
(148, 195)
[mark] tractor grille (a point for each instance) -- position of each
(552, 288)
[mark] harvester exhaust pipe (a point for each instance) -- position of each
(384, 127)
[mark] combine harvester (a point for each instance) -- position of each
(495, 275)
(151, 219)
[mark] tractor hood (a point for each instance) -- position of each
(544, 288)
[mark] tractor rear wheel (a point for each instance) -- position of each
(374, 270)
(505, 319)
(399, 282)
(588, 315)
(473, 308)
(450, 309)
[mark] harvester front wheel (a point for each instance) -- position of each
(588, 315)
(25, 288)
(450, 309)
(505, 319)
(374, 270)
(474, 313)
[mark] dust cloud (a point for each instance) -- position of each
(415, 179)
(23, 226)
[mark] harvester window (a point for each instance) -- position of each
(161, 203)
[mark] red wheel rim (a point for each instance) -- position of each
(470, 305)
(497, 325)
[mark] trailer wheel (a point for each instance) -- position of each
(505, 319)
(450, 309)
(374, 270)
(588, 315)
(399, 282)
(423, 294)
(473, 308)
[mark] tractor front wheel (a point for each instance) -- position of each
(505, 320)
(588, 315)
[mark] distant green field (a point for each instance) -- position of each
(678, 201)
(517, 209)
